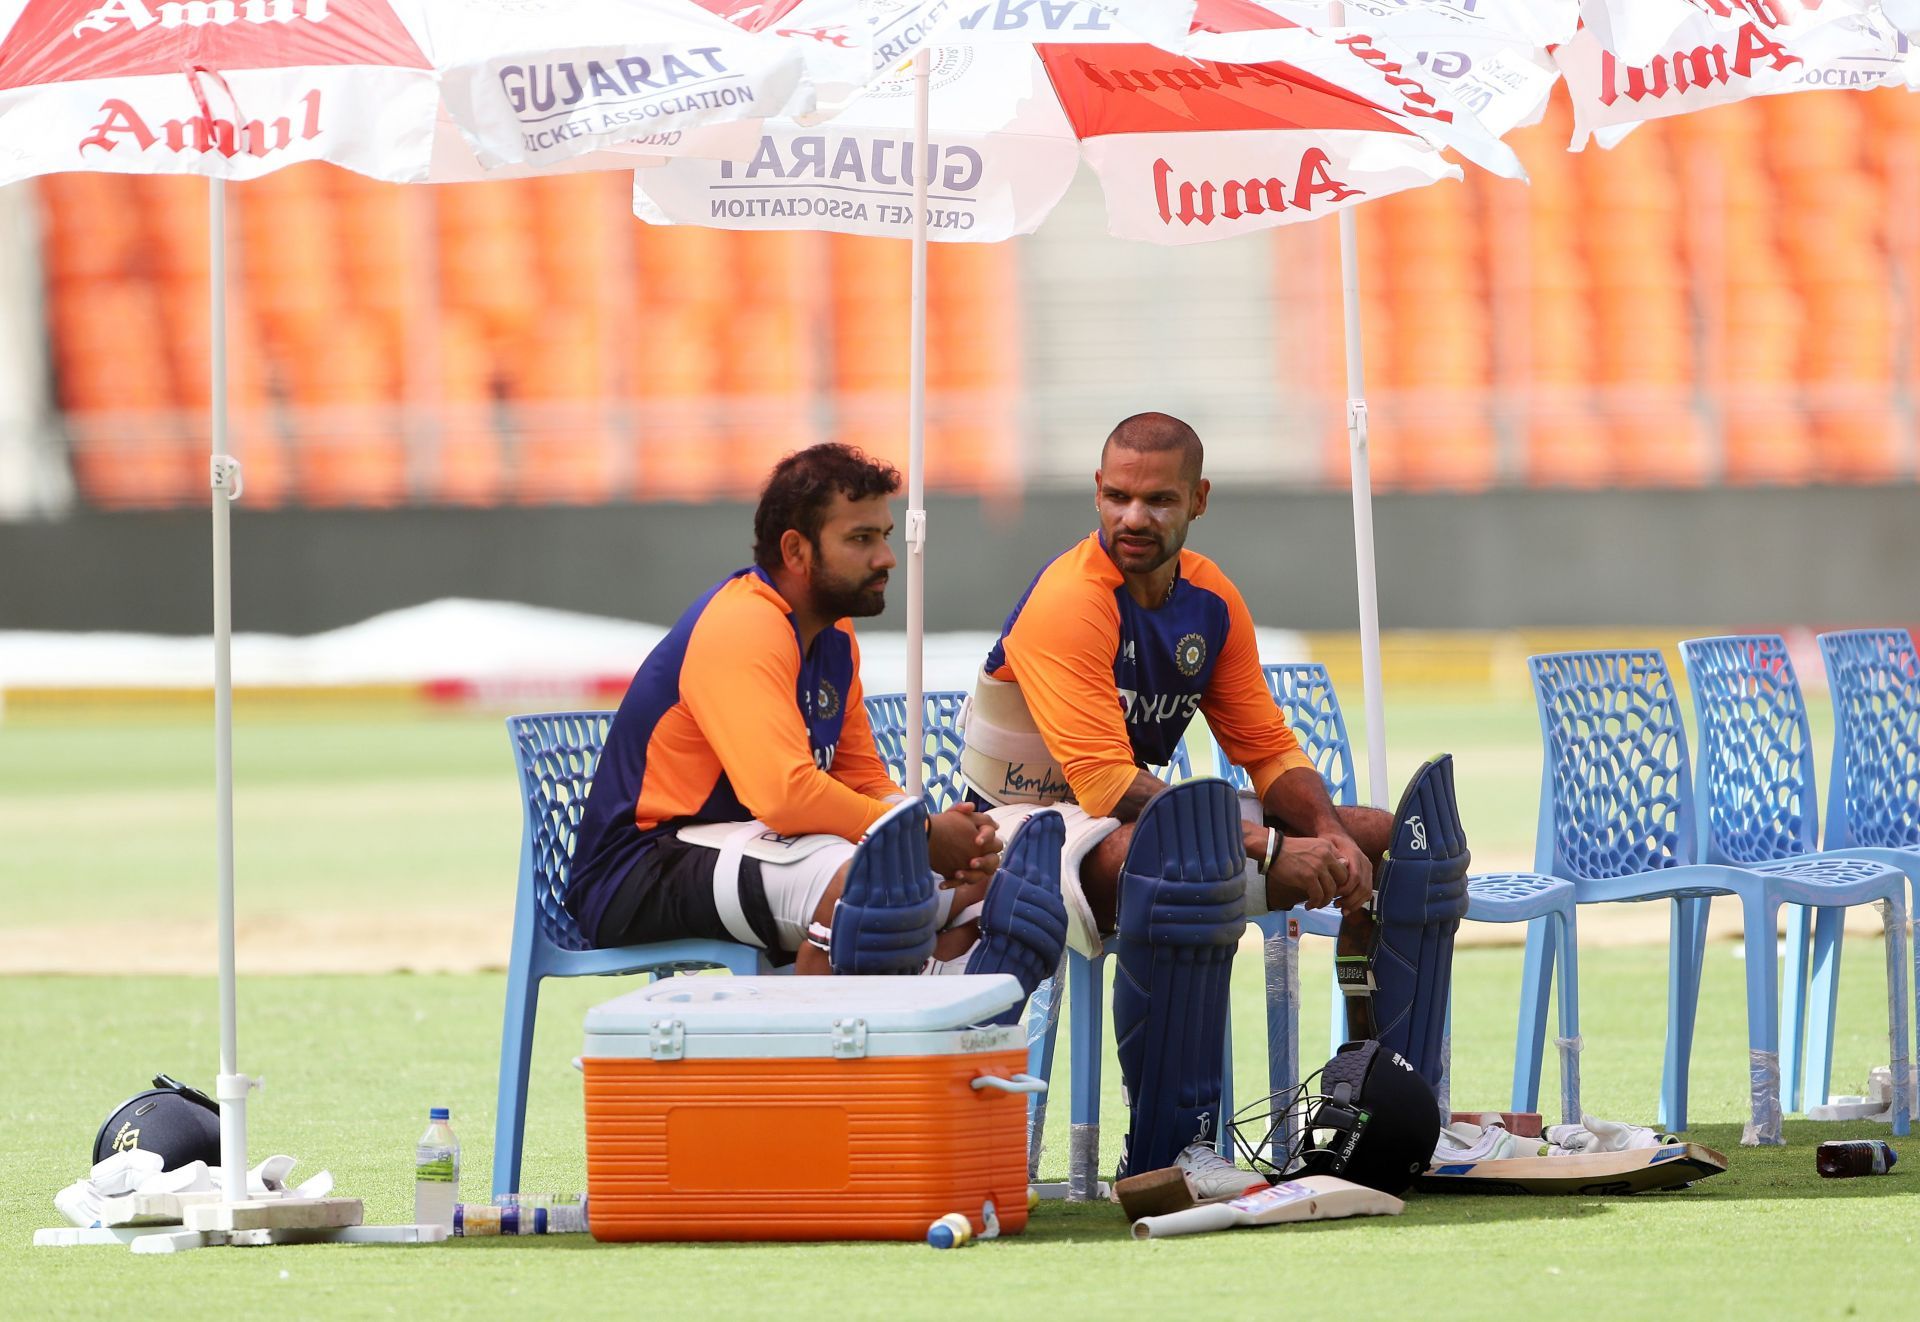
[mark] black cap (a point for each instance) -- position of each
(178, 1122)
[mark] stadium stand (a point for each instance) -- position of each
(1719, 298)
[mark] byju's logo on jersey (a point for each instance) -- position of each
(1190, 654)
(826, 701)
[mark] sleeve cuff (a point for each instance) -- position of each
(1263, 774)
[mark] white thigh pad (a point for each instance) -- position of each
(1083, 833)
(795, 871)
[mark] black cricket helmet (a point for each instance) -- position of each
(182, 1124)
(1366, 1115)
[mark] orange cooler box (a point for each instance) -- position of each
(805, 1108)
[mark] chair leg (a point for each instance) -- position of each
(1795, 1058)
(1281, 950)
(1686, 955)
(1530, 1040)
(1043, 1029)
(1821, 1003)
(1569, 987)
(1086, 1016)
(1759, 915)
(1222, 1126)
(516, 1060)
(1893, 914)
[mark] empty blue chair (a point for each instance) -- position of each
(1306, 694)
(1873, 789)
(556, 753)
(1616, 819)
(1754, 800)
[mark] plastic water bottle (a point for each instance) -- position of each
(1838, 1159)
(436, 1172)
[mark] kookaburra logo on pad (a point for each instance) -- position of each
(1418, 830)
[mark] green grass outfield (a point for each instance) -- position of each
(352, 1063)
(392, 821)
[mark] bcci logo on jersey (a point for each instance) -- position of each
(1190, 654)
(826, 702)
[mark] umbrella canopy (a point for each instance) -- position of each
(237, 90)
(1622, 69)
(1187, 149)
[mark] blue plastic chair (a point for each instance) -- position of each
(1754, 800)
(1305, 692)
(556, 753)
(1616, 819)
(940, 759)
(1873, 789)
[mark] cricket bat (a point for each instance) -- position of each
(1310, 1198)
(1640, 1170)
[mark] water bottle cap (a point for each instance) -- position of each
(437, 1113)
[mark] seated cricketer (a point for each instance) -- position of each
(1097, 673)
(740, 774)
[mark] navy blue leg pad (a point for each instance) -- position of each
(885, 920)
(1182, 909)
(1023, 927)
(1421, 892)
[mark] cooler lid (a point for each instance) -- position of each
(787, 1005)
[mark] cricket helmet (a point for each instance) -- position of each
(1366, 1115)
(180, 1123)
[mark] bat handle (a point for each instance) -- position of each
(1192, 1221)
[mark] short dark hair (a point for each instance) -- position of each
(1155, 433)
(801, 487)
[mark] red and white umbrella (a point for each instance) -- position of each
(1186, 149)
(1627, 65)
(1299, 124)
(234, 89)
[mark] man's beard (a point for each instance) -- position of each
(837, 597)
(1166, 549)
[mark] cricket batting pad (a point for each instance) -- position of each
(1023, 925)
(1420, 896)
(1182, 909)
(885, 919)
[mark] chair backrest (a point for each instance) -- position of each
(1614, 798)
(1179, 767)
(1305, 693)
(556, 753)
(1873, 795)
(940, 759)
(1753, 791)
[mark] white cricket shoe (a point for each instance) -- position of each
(1211, 1178)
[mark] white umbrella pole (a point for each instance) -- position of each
(1358, 459)
(917, 439)
(231, 1085)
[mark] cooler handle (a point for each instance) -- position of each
(1018, 1083)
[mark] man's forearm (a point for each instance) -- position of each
(1298, 800)
(1145, 785)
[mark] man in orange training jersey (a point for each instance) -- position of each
(740, 770)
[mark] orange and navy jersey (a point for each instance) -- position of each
(1113, 685)
(726, 721)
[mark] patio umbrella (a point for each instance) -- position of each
(234, 91)
(1721, 51)
(1186, 150)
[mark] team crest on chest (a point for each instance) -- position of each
(1190, 654)
(826, 701)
